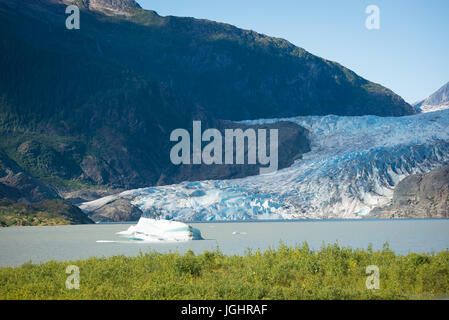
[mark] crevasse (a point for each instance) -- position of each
(353, 167)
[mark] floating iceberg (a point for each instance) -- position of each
(152, 230)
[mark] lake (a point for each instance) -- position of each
(40, 244)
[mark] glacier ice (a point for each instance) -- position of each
(432, 108)
(152, 230)
(353, 167)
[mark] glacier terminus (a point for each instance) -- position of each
(353, 167)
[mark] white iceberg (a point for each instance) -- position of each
(152, 230)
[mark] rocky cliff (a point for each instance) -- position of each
(419, 196)
(436, 101)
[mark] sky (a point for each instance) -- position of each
(409, 54)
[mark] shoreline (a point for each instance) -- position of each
(72, 242)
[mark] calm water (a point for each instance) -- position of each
(39, 244)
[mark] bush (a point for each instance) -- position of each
(286, 273)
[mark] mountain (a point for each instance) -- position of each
(238, 74)
(89, 112)
(419, 196)
(353, 167)
(437, 101)
(94, 107)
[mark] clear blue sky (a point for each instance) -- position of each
(409, 54)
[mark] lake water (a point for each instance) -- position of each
(39, 244)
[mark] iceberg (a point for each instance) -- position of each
(152, 230)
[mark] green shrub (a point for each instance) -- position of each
(331, 272)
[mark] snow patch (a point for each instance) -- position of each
(430, 108)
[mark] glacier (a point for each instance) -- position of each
(353, 166)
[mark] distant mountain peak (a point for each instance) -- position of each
(436, 101)
(119, 7)
(440, 96)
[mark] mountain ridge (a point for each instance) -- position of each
(439, 100)
(93, 108)
(235, 74)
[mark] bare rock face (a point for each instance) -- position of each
(18, 185)
(437, 101)
(94, 170)
(292, 140)
(88, 194)
(419, 196)
(121, 7)
(115, 6)
(116, 211)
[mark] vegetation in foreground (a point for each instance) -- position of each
(283, 273)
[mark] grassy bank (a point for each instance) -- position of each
(284, 273)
